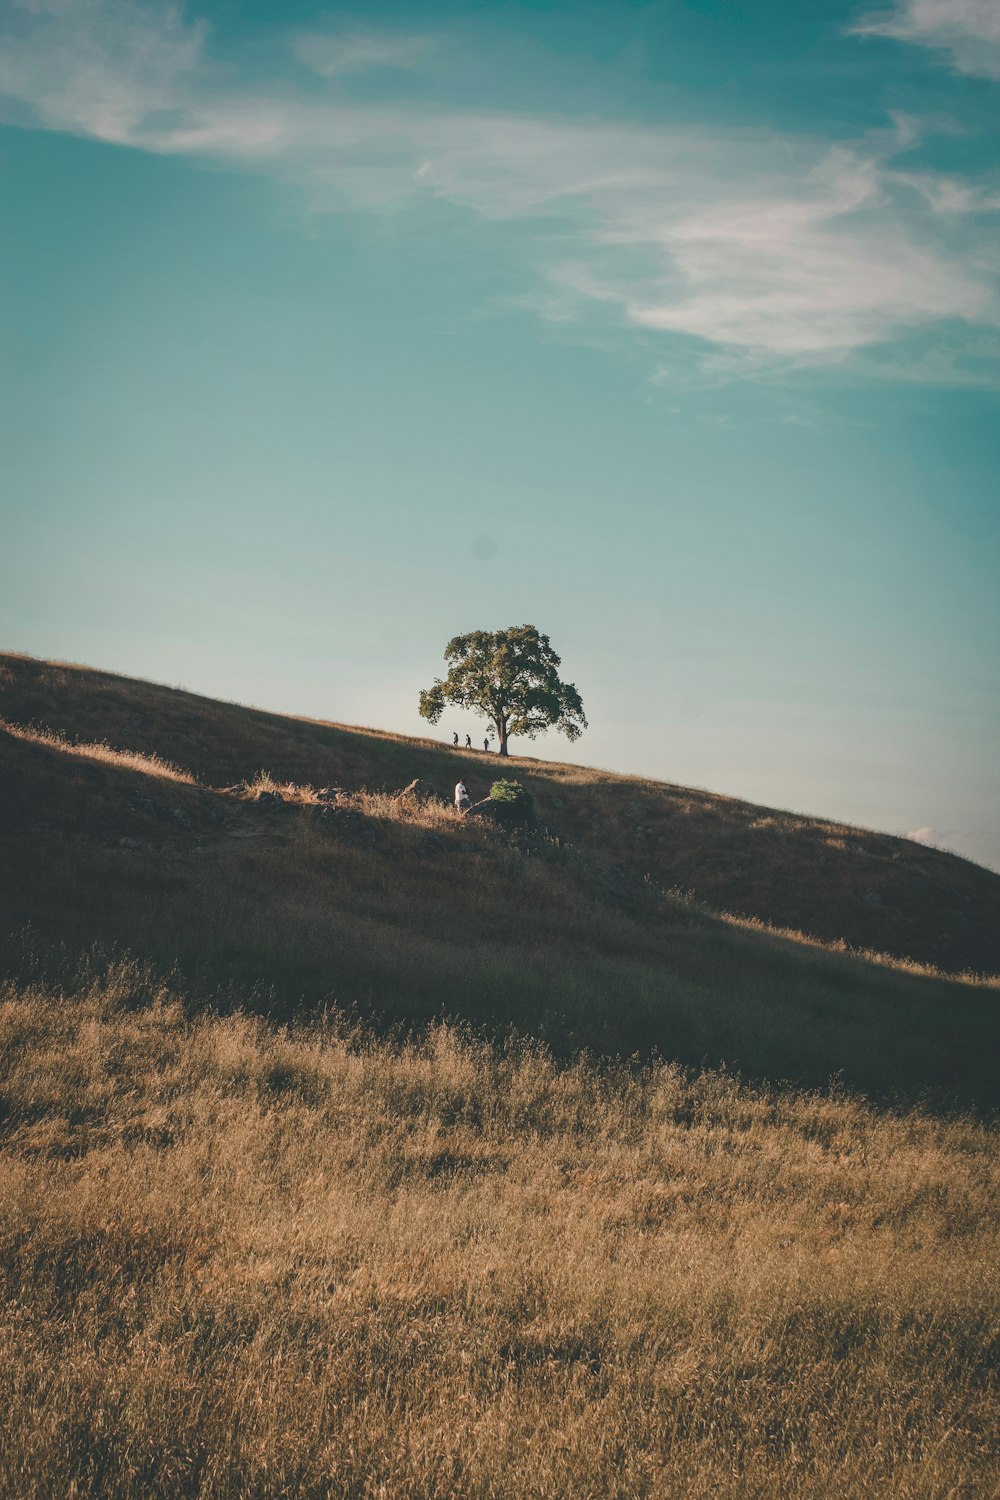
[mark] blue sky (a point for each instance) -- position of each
(671, 328)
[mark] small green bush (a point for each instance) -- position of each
(508, 791)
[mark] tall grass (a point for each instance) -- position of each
(406, 912)
(129, 760)
(240, 1261)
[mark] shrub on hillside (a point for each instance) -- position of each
(509, 791)
(511, 804)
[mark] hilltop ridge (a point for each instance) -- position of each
(838, 884)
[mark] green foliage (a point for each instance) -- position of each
(508, 791)
(510, 677)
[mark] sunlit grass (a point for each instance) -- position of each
(129, 760)
(238, 1260)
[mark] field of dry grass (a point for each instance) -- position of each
(352, 1148)
(246, 1261)
(405, 913)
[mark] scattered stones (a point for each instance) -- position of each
(269, 798)
(180, 816)
(130, 843)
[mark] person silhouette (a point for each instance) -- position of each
(454, 740)
(486, 744)
(461, 798)
(468, 742)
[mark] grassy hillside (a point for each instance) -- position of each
(403, 913)
(837, 883)
(351, 1148)
(237, 1261)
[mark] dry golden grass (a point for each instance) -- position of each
(413, 1259)
(241, 1261)
(129, 760)
(406, 912)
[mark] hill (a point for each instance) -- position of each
(577, 935)
(352, 1148)
(828, 880)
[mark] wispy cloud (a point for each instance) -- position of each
(764, 247)
(332, 55)
(95, 68)
(966, 31)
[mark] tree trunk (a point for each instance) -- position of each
(502, 732)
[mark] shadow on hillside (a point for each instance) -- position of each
(404, 916)
(869, 890)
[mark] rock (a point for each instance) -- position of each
(142, 803)
(330, 793)
(180, 816)
(128, 843)
(269, 797)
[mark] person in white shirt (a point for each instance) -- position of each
(461, 798)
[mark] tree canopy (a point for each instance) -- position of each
(510, 677)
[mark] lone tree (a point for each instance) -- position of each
(510, 677)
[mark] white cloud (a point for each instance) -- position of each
(765, 246)
(357, 52)
(95, 68)
(928, 836)
(968, 31)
